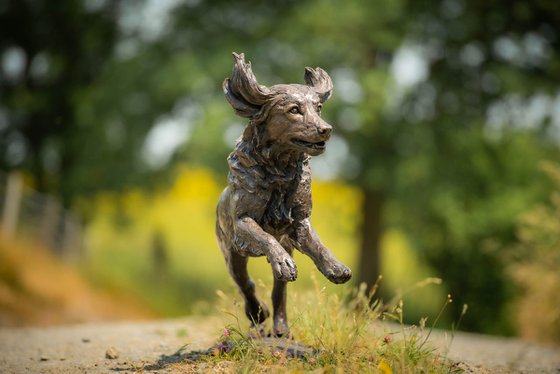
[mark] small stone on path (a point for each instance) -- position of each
(112, 353)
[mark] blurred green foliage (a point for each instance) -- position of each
(442, 111)
(52, 58)
(491, 64)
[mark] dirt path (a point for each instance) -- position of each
(139, 346)
(83, 348)
(483, 353)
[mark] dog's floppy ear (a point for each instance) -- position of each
(320, 81)
(243, 91)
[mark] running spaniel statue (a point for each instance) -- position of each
(265, 209)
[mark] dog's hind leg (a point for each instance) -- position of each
(255, 310)
(280, 326)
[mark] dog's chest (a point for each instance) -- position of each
(282, 194)
(280, 212)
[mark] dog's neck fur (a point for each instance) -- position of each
(272, 176)
(269, 164)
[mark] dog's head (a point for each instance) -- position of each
(285, 115)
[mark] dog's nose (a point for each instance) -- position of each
(324, 129)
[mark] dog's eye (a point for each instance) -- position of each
(294, 110)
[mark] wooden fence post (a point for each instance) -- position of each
(72, 239)
(12, 203)
(49, 219)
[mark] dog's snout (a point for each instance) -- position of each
(324, 129)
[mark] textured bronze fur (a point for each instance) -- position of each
(266, 207)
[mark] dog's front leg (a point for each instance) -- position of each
(283, 265)
(308, 242)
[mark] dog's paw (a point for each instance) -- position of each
(338, 273)
(280, 328)
(284, 269)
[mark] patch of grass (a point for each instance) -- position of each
(347, 333)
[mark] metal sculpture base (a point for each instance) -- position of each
(277, 346)
(284, 346)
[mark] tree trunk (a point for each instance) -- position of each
(370, 234)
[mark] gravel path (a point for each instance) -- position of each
(139, 346)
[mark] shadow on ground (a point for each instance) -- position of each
(179, 357)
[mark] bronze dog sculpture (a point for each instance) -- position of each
(265, 209)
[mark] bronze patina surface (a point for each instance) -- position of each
(265, 209)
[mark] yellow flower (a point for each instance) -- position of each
(384, 368)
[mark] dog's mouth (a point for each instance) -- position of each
(319, 146)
